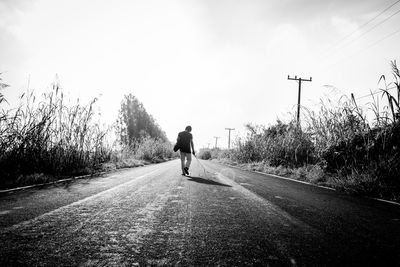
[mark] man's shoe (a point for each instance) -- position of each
(186, 169)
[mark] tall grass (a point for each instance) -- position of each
(348, 142)
(46, 135)
(280, 144)
(143, 151)
(360, 153)
(154, 150)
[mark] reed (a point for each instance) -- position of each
(355, 152)
(46, 138)
(46, 135)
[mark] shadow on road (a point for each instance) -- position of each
(205, 181)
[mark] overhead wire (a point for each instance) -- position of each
(363, 34)
(383, 39)
(366, 48)
(341, 47)
(376, 92)
(363, 25)
(373, 27)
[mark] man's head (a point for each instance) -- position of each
(188, 128)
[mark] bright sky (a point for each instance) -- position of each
(208, 63)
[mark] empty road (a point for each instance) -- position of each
(219, 216)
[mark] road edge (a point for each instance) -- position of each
(278, 176)
(50, 183)
(5, 191)
(304, 182)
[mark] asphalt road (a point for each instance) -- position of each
(219, 216)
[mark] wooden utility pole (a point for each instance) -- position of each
(216, 141)
(208, 145)
(298, 101)
(229, 137)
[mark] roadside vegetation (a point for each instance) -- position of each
(138, 136)
(337, 145)
(47, 138)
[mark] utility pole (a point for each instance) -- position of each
(216, 141)
(208, 145)
(298, 101)
(229, 138)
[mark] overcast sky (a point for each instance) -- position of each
(211, 64)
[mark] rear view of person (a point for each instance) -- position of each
(186, 147)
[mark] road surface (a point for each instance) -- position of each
(219, 216)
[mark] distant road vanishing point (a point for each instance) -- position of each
(220, 216)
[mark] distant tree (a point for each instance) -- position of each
(134, 123)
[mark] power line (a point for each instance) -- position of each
(362, 50)
(362, 26)
(377, 92)
(373, 27)
(382, 39)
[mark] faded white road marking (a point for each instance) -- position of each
(3, 212)
(387, 201)
(76, 203)
(274, 211)
(280, 177)
(114, 176)
(270, 207)
(294, 180)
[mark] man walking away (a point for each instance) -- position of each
(185, 143)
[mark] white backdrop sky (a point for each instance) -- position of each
(210, 64)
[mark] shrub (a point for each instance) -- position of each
(337, 140)
(205, 154)
(46, 138)
(279, 144)
(153, 150)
